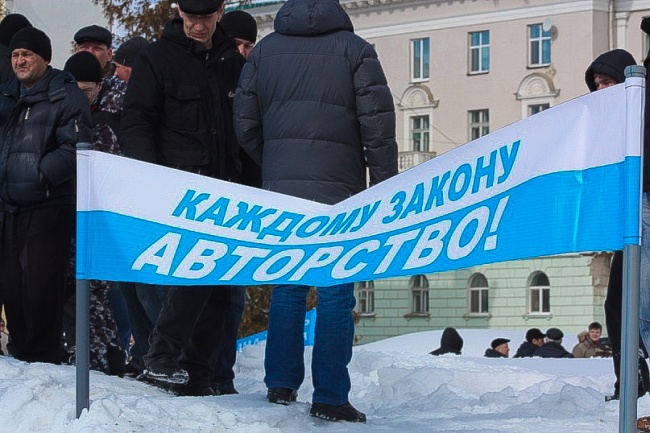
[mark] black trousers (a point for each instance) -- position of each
(614, 314)
(34, 253)
(190, 330)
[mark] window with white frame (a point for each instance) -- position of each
(539, 46)
(540, 294)
(479, 52)
(366, 297)
(420, 133)
(536, 108)
(478, 294)
(420, 59)
(420, 294)
(478, 123)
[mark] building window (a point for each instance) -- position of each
(420, 293)
(540, 294)
(479, 123)
(479, 52)
(536, 108)
(420, 59)
(420, 133)
(478, 294)
(539, 45)
(366, 297)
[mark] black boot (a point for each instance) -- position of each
(281, 395)
(341, 412)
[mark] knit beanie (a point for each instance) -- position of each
(128, 51)
(84, 66)
(240, 24)
(33, 39)
(10, 25)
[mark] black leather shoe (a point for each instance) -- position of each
(341, 412)
(281, 395)
(191, 391)
(166, 371)
(227, 389)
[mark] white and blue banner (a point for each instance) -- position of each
(564, 180)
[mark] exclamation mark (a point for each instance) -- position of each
(491, 240)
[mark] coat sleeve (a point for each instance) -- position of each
(58, 164)
(143, 105)
(247, 114)
(376, 116)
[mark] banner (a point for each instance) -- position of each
(560, 181)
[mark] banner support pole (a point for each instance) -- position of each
(82, 329)
(628, 382)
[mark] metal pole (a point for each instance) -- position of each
(630, 339)
(82, 326)
(634, 124)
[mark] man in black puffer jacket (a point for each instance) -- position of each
(178, 113)
(43, 116)
(314, 109)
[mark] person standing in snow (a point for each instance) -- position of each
(450, 342)
(314, 109)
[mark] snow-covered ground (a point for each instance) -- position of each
(395, 382)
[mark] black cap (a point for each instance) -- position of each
(94, 33)
(240, 24)
(554, 334)
(128, 51)
(199, 7)
(34, 40)
(10, 25)
(84, 66)
(498, 342)
(534, 334)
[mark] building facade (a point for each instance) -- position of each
(459, 69)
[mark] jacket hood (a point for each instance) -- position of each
(612, 63)
(451, 338)
(311, 17)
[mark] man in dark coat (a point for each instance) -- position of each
(9, 26)
(534, 339)
(499, 348)
(553, 348)
(178, 113)
(43, 116)
(450, 342)
(313, 107)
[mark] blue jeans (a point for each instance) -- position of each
(143, 303)
(644, 308)
(334, 334)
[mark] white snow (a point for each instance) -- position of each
(395, 382)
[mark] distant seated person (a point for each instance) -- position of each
(499, 348)
(589, 343)
(450, 342)
(552, 348)
(534, 339)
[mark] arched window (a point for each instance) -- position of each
(539, 294)
(366, 297)
(478, 294)
(420, 294)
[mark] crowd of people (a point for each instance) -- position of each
(202, 100)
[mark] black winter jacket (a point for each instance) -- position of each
(313, 106)
(552, 349)
(178, 104)
(6, 70)
(40, 130)
(526, 350)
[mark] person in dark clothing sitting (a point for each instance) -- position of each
(534, 339)
(450, 342)
(553, 346)
(499, 348)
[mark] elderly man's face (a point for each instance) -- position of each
(503, 349)
(90, 89)
(28, 66)
(201, 27)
